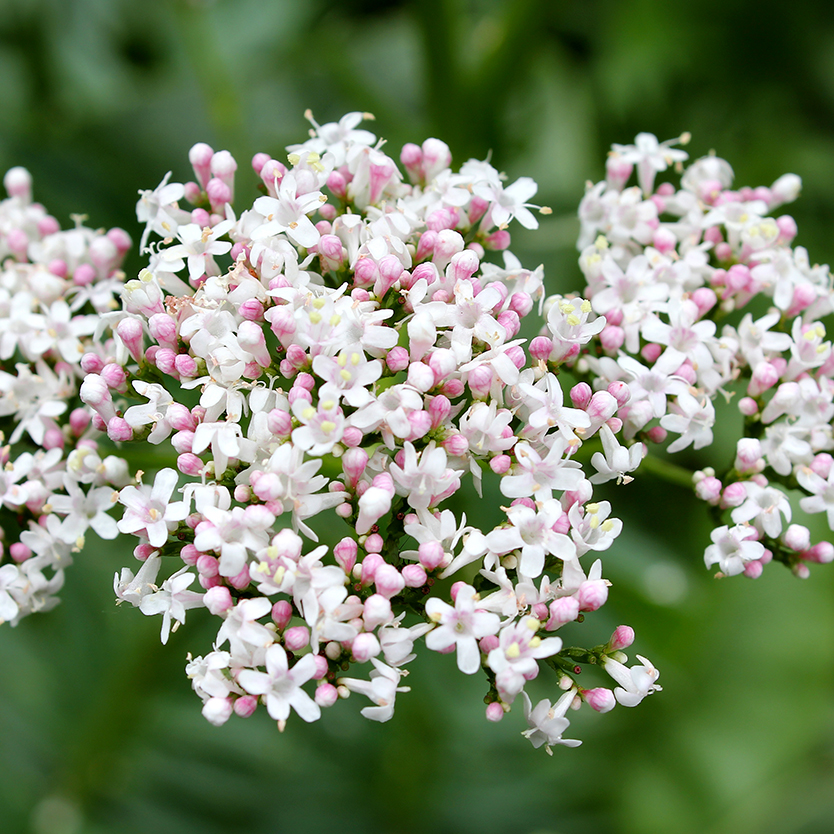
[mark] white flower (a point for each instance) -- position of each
(635, 683)
(546, 723)
(733, 548)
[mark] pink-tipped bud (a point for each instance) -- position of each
(480, 381)
(510, 321)
(705, 299)
(709, 490)
(376, 611)
(612, 338)
(494, 712)
(218, 193)
(411, 156)
(600, 699)
(119, 430)
(130, 332)
(218, 600)
(431, 555)
(821, 464)
(498, 241)
(620, 392)
(414, 576)
(754, 569)
(245, 706)
(439, 410)
(281, 613)
(734, 495)
(749, 455)
(500, 464)
(592, 594)
(364, 647)
(388, 581)
(765, 376)
(748, 406)
(797, 537)
(580, 395)
(369, 567)
(296, 638)
(421, 376)
(397, 359)
(622, 638)
(456, 445)
(562, 610)
(617, 172)
(200, 157)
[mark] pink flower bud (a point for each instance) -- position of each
(421, 376)
(797, 537)
(687, 372)
(600, 699)
(245, 705)
(414, 576)
(189, 464)
(207, 565)
(480, 381)
(734, 495)
(622, 638)
(498, 241)
(601, 407)
(411, 157)
(397, 359)
(369, 566)
(119, 430)
(540, 348)
(500, 464)
(749, 455)
(748, 406)
(185, 365)
(580, 395)
(377, 610)
(821, 464)
(764, 376)
(620, 392)
(218, 600)
(388, 580)
(709, 490)
(651, 352)
(183, 441)
(281, 613)
(200, 157)
(612, 338)
(296, 638)
(240, 581)
(219, 194)
(705, 299)
(431, 555)
(562, 610)
(494, 712)
(592, 594)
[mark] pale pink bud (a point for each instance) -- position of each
(388, 580)
(657, 434)
(119, 430)
(442, 218)
(449, 243)
(453, 388)
(431, 555)
(516, 355)
(456, 445)
(369, 567)
(96, 393)
(326, 695)
(18, 183)
(797, 537)
(245, 705)
(734, 495)
(620, 392)
(297, 356)
(803, 296)
(498, 240)
(500, 464)
(376, 611)
(79, 419)
(345, 554)
(821, 464)
(185, 365)
(463, 265)
(420, 422)
(200, 157)
(822, 553)
(218, 193)
(664, 240)
(19, 552)
(421, 376)
(592, 594)
(687, 372)
(540, 348)
(217, 711)
(510, 321)
(601, 407)
(480, 381)
(600, 699)
(622, 638)
(617, 172)
(494, 712)
(754, 569)
(748, 406)
(352, 436)
(374, 543)
(709, 490)
(651, 352)
(281, 613)
(414, 576)
(439, 410)
(208, 565)
(296, 638)
(705, 299)
(488, 643)
(580, 395)
(425, 248)
(183, 441)
(279, 422)
(180, 418)
(612, 338)
(397, 359)
(764, 376)
(562, 610)
(411, 156)
(189, 464)
(218, 600)
(749, 455)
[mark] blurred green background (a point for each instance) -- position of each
(99, 730)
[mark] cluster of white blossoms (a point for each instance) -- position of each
(341, 359)
(703, 296)
(54, 485)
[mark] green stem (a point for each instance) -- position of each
(667, 471)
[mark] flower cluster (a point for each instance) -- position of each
(335, 368)
(703, 295)
(54, 484)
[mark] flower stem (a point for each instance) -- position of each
(667, 471)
